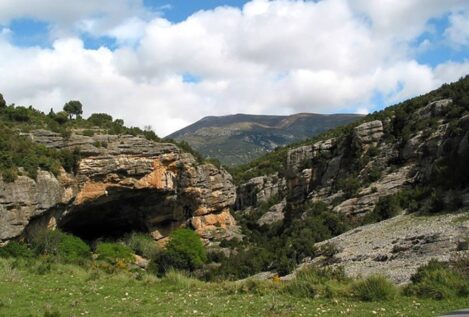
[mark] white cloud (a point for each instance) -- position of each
(97, 17)
(271, 57)
(458, 31)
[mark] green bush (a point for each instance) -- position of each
(312, 282)
(114, 252)
(387, 207)
(16, 250)
(437, 280)
(63, 246)
(349, 186)
(88, 132)
(328, 250)
(143, 245)
(184, 251)
(374, 288)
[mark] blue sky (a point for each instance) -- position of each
(157, 62)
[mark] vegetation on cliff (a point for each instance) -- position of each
(402, 121)
(21, 156)
(283, 245)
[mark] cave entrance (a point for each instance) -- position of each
(115, 215)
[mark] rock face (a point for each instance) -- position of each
(123, 183)
(398, 246)
(258, 190)
(275, 214)
(25, 198)
(369, 133)
(353, 171)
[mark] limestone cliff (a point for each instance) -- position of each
(122, 183)
(379, 157)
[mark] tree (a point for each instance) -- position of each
(3, 103)
(100, 119)
(61, 117)
(73, 107)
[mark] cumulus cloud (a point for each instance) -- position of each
(458, 32)
(270, 57)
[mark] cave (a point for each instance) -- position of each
(120, 212)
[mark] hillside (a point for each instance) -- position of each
(240, 138)
(409, 159)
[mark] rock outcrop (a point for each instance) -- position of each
(122, 183)
(369, 133)
(259, 189)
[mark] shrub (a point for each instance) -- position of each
(437, 280)
(65, 247)
(349, 186)
(387, 207)
(184, 251)
(460, 264)
(114, 253)
(143, 245)
(374, 288)
(313, 281)
(181, 280)
(16, 250)
(88, 132)
(100, 119)
(328, 250)
(9, 175)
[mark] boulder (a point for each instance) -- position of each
(275, 214)
(368, 133)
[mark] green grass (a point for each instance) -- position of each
(72, 291)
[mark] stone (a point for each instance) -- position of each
(434, 108)
(141, 262)
(297, 156)
(275, 214)
(258, 190)
(398, 246)
(216, 226)
(24, 199)
(369, 133)
(367, 198)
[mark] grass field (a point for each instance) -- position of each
(68, 290)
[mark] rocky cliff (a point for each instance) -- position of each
(122, 183)
(419, 153)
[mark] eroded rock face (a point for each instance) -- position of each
(275, 214)
(127, 183)
(25, 198)
(369, 133)
(297, 157)
(258, 190)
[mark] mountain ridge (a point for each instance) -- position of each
(239, 138)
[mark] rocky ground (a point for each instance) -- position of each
(397, 247)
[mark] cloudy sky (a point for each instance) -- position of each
(170, 63)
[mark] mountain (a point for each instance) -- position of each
(240, 138)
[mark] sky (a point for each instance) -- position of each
(169, 63)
